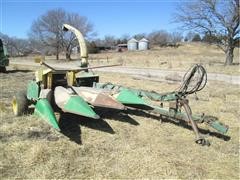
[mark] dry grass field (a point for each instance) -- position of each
(121, 145)
(180, 58)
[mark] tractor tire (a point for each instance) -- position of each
(20, 103)
(2, 69)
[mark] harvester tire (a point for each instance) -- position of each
(2, 69)
(20, 103)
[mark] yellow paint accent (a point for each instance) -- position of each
(15, 106)
(38, 59)
(71, 78)
(81, 41)
(49, 80)
(46, 71)
(38, 75)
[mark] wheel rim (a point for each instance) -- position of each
(15, 106)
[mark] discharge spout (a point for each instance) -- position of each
(81, 41)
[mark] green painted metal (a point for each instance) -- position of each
(4, 61)
(171, 96)
(77, 105)
(108, 86)
(217, 125)
(84, 74)
(84, 78)
(33, 90)
(5, 52)
(175, 114)
(156, 96)
(212, 122)
(44, 110)
(128, 97)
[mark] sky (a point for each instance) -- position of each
(117, 17)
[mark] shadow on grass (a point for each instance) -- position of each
(70, 126)
(123, 118)
(179, 123)
(116, 115)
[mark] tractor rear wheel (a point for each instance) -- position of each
(20, 103)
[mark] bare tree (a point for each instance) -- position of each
(48, 30)
(176, 37)
(196, 38)
(124, 38)
(99, 42)
(139, 36)
(190, 35)
(159, 37)
(110, 40)
(22, 46)
(80, 22)
(8, 42)
(16, 46)
(217, 17)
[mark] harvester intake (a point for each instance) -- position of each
(44, 110)
(98, 98)
(69, 102)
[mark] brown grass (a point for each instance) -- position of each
(120, 145)
(180, 58)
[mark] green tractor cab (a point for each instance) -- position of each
(4, 61)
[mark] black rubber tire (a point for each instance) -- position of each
(20, 103)
(2, 69)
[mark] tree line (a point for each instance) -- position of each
(46, 36)
(160, 37)
(210, 21)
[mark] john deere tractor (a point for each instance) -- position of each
(4, 61)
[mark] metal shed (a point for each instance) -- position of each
(132, 44)
(143, 44)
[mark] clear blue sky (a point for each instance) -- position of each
(109, 18)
